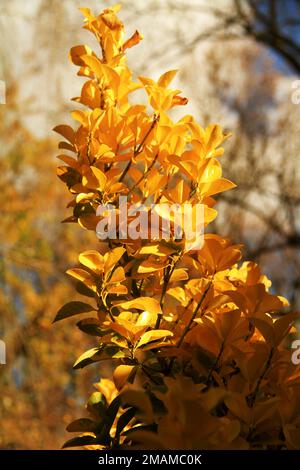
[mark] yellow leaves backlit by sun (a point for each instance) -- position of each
(195, 339)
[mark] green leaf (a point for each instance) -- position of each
(112, 413)
(73, 308)
(96, 405)
(124, 419)
(91, 326)
(80, 441)
(140, 427)
(82, 425)
(82, 209)
(103, 428)
(101, 353)
(84, 290)
(153, 335)
(88, 357)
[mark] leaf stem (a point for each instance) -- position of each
(139, 147)
(253, 395)
(167, 276)
(187, 328)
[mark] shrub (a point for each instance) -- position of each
(195, 338)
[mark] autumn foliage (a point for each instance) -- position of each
(195, 341)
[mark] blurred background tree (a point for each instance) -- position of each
(36, 386)
(238, 60)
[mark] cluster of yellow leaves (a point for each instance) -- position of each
(195, 329)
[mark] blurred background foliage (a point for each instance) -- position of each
(238, 61)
